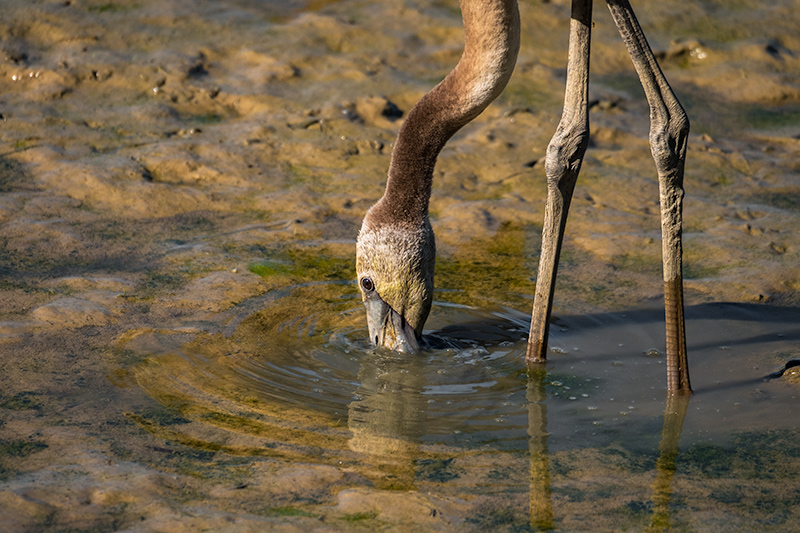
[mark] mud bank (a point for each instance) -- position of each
(165, 163)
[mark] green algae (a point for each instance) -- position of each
(305, 264)
(289, 511)
(271, 267)
(494, 269)
(649, 264)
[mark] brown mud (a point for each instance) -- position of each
(162, 163)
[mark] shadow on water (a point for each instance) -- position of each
(466, 420)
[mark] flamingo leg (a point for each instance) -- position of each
(562, 165)
(669, 133)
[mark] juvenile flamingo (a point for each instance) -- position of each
(395, 250)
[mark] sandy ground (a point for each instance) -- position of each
(162, 162)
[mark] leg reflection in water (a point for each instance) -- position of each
(387, 417)
(674, 414)
(541, 504)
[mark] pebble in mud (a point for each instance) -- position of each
(72, 312)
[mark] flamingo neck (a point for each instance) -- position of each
(491, 35)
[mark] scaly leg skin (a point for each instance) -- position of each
(562, 165)
(669, 133)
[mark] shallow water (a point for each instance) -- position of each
(181, 184)
(468, 387)
(463, 419)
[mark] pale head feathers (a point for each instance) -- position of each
(399, 259)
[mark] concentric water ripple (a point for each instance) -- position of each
(291, 375)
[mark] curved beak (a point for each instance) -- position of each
(387, 327)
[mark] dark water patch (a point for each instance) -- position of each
(14, 178)
(711, 460)
(774, 118)
(109, 7)
(788, 200)
(437, 470)
(21, 401)
(727, 496)
(163, 416)
(20, 448)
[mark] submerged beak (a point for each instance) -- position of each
(387, 327)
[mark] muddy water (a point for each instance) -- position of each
(182, 346)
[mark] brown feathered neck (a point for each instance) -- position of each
(491, 35)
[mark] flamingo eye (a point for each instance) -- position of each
(367, 285)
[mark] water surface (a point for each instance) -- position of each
(464, 420)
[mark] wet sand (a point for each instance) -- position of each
(164, 162)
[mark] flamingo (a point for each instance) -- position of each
(395, 249)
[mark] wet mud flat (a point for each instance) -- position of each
(181, 184)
